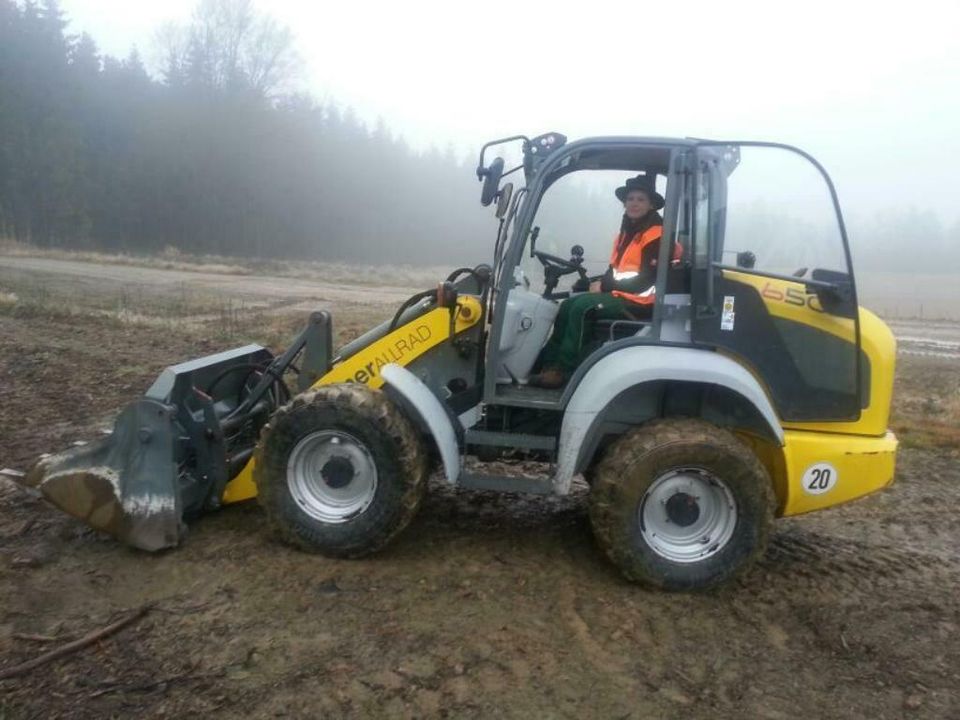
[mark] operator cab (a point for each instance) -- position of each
(764, 269)
(572, 224)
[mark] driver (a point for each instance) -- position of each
(625, 291)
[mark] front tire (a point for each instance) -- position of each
(681, 504)
(340, 470)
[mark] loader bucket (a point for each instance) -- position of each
(167, 456)
(124, 484)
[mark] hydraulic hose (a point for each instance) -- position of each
(409, 302)
(232, 369)
(465, 271)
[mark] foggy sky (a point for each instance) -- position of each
(871, 92)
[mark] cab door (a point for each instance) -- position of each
(772, 281)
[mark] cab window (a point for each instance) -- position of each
(578, 209)
(780, 217)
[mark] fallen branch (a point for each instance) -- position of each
(74, 646)
(34, 638)
(184, 609)
(143, 687)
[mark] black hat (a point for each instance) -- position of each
(641, 182)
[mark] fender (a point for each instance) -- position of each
(402, 345)
(632, 366)
(426, 404)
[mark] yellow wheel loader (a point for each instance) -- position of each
(756, 387)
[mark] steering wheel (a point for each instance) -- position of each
(555, 267)
(548, 260)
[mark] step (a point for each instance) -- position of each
(506, 483)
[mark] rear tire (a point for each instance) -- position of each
(340, 471)
(681, 504)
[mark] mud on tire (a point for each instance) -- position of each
(377, 435)
(639, 482)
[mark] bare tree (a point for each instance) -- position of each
(170, 44)
(269, 60)
(229, 46)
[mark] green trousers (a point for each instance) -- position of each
(565, 346)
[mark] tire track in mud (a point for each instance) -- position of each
(853, 567)
(929, 353)
(927, 339)
(598, 656)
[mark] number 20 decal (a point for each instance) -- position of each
(819, 478)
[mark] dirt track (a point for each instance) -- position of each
(487, 606)
(92, 277)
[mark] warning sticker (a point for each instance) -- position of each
(727, 318)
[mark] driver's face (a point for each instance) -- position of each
(637, 204)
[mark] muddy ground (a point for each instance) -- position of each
(487, 606)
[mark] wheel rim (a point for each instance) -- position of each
(687, 514)
(332, 476)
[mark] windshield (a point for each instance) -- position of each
(578, 209)
(779, 210)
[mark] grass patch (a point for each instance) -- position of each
(8, 299)
(181, 310)
(169, 259)
(174, 259)
(929, 435)
(927, 438)
(926, 405)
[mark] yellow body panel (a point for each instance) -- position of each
(861, 465)
(402, 346)
(880, 347)
(241, 487)
(852, 458)
(789, 300)
(839, 468)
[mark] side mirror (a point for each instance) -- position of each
(746, 259)
(491, 180)
(503, 200)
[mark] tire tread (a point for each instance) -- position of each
(358, 402)
(606, 503)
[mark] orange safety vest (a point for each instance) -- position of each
(626, 262)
